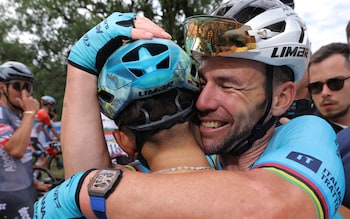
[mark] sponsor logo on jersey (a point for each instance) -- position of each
(306, 160)
(8, 165)
(24, 212)
(2, 206)
(332, 184)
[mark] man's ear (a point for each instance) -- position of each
(2, 87)
(283, 97)
(126, 141)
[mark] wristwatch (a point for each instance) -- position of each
(100, 187)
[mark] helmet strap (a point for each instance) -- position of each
(9, 101)
(260, 127)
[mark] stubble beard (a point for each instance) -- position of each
(337, 115)
(226, 144)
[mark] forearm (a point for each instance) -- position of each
(18, 142)
(82, 139)
(55, 133)
(253, 194)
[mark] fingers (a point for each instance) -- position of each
(284, 120)
(146, 29)
(25, 94)
(27, 102)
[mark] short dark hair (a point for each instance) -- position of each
(282, 74)
(328, 50)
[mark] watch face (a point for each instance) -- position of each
(103, 182)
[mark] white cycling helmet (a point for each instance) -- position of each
(13, 70)
(267, 31)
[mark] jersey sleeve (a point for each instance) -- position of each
(305, 153)
(6, 129)
(43, 117)
(343, 138)
(6, 132)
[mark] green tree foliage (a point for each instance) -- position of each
(40, 33)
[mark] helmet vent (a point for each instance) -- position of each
(153, 49)
(277, 27)
(223, 11)
(164, 64)
(193, 70)
(302, 35)
(247, 14)
(136, 72)
(16, 69)
(107, 97)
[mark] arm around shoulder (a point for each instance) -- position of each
(257, 193)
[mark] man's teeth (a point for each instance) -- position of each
(211, 124)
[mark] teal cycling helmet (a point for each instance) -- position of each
(48, 100)
(142, 69)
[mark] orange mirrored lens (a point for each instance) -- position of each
(215, 36)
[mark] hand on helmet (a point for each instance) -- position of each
(92, 50)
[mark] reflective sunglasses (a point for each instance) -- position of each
(216, 36)
(334, 84)
(21, 85)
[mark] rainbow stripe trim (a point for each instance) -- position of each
(302, 182)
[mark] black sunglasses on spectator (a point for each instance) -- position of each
(334, 84)
(21, 85)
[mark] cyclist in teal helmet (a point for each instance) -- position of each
(147, 87)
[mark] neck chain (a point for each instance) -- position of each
(190, 168)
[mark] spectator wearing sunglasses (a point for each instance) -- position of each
(329, 84)
(17, 111)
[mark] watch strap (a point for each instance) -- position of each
(80, 184)
(100, 187)
(98, 205)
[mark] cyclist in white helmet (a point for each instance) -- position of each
(251, 52)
